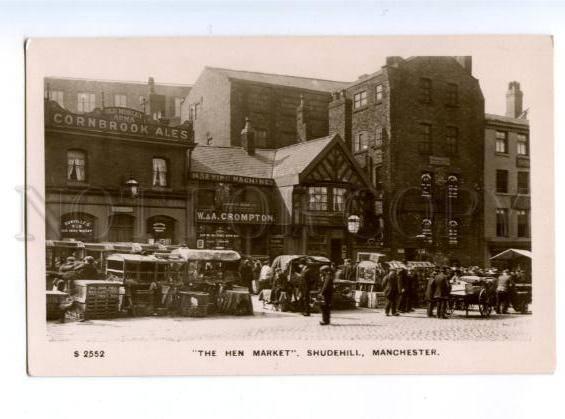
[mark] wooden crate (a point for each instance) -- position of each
(194, 304)
(376, 300)
(54, 300)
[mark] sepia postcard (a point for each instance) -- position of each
(290, 205)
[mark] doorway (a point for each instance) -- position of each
(121, 228)
(336, 251)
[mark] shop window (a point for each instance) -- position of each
(121, 101)
(502, 222)
(452, 94)
(379, 93)
(86, 102)
(360, 99)
(161, 229)
(523, 183)
(76, 165)
(318, 198)
(339, 199)
(523, 223)
(501, 142)
(178, 104)
(361, 142)
(425, 140)
(451, 140)
(160, 172)
(206, 198)
(425, 90)
(57, 96)
(522, 146)
(502, 181)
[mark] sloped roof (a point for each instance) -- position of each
(506, 119)
(233, 161)
(293, 159)
(283, 80)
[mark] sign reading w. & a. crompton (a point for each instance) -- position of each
(118, 121)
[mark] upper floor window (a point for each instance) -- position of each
(379, 93)
(522, 147)
(425, 90)
(523, 223)
(360, 99)
(160, 172)
(194, 111)
(502, 181)
(501, 142)
(524, 183)
(339, 199)
(361, 141)
(76, 165)
(178, 104)
(425, 140)
(451, 138)
(260, 138)
(452, 94)
(86, 102)
(379, 137)
(502, 222)
(121, 101)
(57, 96)
(378, 156)
(318, 198)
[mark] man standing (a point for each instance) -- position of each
(390, 290)
(307, 279)
(402, 290)
(430, 291)
(348, 270)
(246, 273)
(265, 276)
(502, 292)
(441, 292)
(326, 294)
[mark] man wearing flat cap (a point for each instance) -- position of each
(326, 293)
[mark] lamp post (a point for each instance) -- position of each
(353, 224)
(133, 187)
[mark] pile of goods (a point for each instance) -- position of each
(94, 300)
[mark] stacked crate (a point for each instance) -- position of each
(194, 304)
(95, 300)
(54, 301)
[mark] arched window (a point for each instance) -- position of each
(160, 172)
(161, 228)
(76, 165)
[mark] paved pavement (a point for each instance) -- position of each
(265, 324)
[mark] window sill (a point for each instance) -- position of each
(161, 189)
(77, 183)
(503, 193)
(500, 154)
(361, 108)
(361, 151)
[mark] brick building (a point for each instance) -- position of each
(417, 128)
(507, 177)
(221, 100)
(84, 95)
(114, 174)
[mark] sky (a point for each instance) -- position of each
(496, 60)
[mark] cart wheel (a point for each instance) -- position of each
(484, 307)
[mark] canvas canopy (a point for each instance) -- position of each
(510, 254)
(207, 255)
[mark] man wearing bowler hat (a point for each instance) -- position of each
(326, 293)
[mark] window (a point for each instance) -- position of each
(121, 101)
(57, 96)
(260, 138)
(451, 140)
(360, 99)
(379, 93)
(76, 165)
(523, 183)
(361, 142)
(501, 142)
(522, 145)
(425, 90)
(379, 137)
(318, 198)
(378, 156)
(86, 102)
(452, 94)
(159, 172)
(523, 223)
(378, 179)
(206, 198)
(502, 181)
(178, 104)
(339, 199)
(502, 222)
(425, 141)
(194, 109)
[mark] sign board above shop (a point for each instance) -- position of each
(118, 121)
(215, 177)
(211, 216)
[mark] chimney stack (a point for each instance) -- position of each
(151, 83)
(466, 61)
(393, 61)
(514, 100)
(248, 138)
(301, 121)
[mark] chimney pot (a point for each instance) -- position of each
(514, 100)
(248, 137)
(466, 61)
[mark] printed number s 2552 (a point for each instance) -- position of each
(89, 354)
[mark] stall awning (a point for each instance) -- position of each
(395, 264)
(420, 264)
(510, 254)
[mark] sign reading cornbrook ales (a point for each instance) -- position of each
(120, 121)
(211, 216)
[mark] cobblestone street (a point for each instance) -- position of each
(359, 324)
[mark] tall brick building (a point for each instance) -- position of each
(417, 127)
(221, 100)
(156, 100)
(507, 177)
